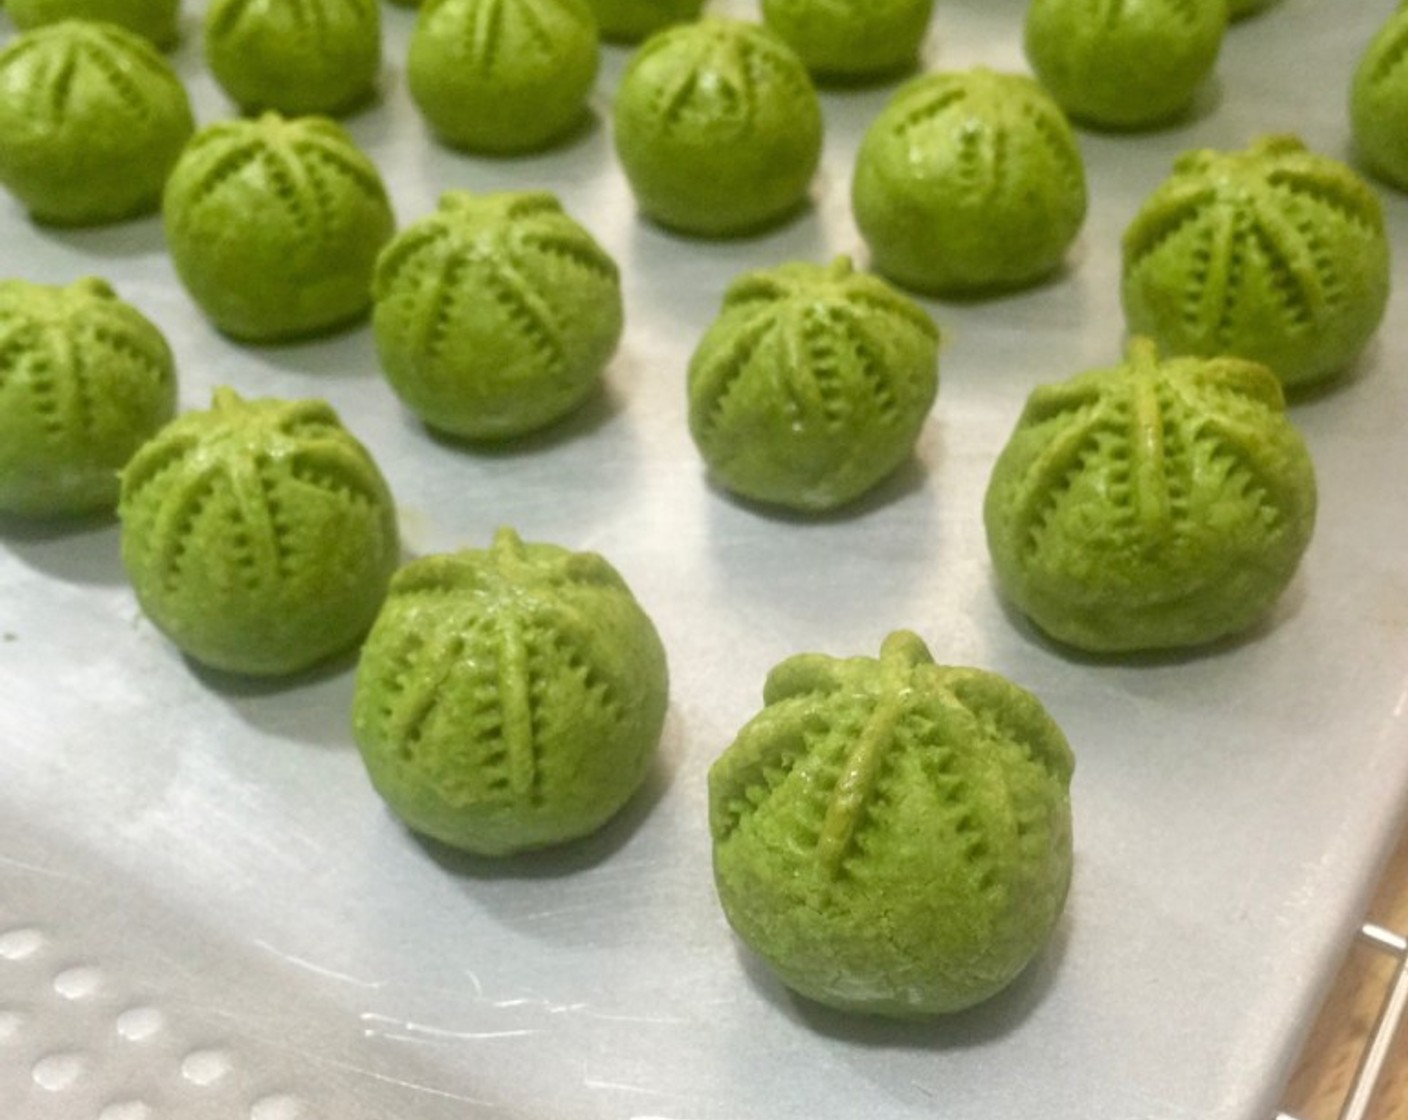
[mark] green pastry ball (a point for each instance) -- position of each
(1152, 505)
(295, 56)
(1379, 102)
(274, 226)
(851, 39)
(1124, 64)
(890, 835)
(629, 21)
(969, 182)
(503, 76)
(85, 379)
(495, 315)
(718, 128)
(91, 119)
(509, 698)
(156, 20)
(812, 385)
(1274, 253)
(259, 536)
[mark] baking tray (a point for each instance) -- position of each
(205, 911)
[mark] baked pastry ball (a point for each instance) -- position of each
(1275, 253)
(295, 56)
(274, 226)
(1157, 504)
(718, 128)
(503, 76)
(629, 21)
(85, 379)
(509, 698)
(1127, 65)
(851, 40)
(1379, 102)
(969, 182)
(156, 20)
(91, 119)
(890, 835)
(259, 535)
(812, 385)
(496, 315)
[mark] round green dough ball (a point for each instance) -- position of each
(503, 76)
(91, 119)
(296, 56)
(509, 698)
(969, 182)
(495, 315)
(718, 128)
(274, 226)
(1151, 505)
(847, 40)
(259, 535)
(812, 385)
(85, 379)
(1124, 64)
(890, 835)
(629, 21)
(1275, 253)
(1379, 102)
(156, 20)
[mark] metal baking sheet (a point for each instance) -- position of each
(206, 913)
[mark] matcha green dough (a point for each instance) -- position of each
(91, 119)
(509, 698)
(503, 76)
(1124, 64)
(969, 182)
(156, 20)
(890, 835)
(812, 385)
(85, 379)
(1275, 253)
(311, 56)
(850, 40)
(274, 226)
(1379, 102)
(629, 21)
(1151, 505)
(496, 315)
(718, 128)
(259, 536)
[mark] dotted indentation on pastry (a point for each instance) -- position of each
(504, 30)
(1286, 223)
(1390, 53)
(308, 164)
(308, 19)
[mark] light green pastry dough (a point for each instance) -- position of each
(274, 226)
(1274, 253)
(85, 379)
(1151, 505)
(890, 835)
(812, 385)
(309, 56)
(718, 128)
(91, 119)
(509, 698)
(157, 20)
(503, 76)
(259, 535)
(849, 40)
(1379, 101)
(1124, 64)
(496, 315)
(969, 182)
(629, 21)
